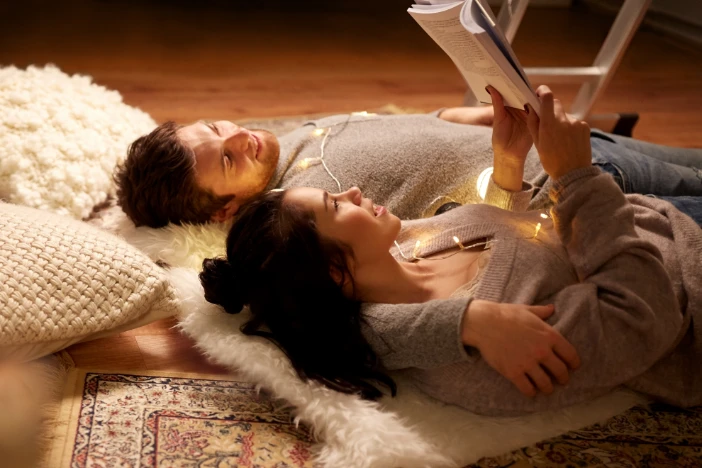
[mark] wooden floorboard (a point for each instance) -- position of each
(181, 62)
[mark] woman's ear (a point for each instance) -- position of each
(338, 276)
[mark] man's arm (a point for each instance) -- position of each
(482, 115)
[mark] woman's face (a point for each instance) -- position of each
(347, 217)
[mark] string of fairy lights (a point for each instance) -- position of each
(482, 183)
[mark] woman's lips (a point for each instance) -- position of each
(379, 210)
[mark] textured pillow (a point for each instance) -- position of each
(61, 137)
(63, 281)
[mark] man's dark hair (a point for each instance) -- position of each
(156, 183)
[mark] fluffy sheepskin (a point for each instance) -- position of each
(409, 431)
(61, 137)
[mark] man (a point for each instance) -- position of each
(413, 164)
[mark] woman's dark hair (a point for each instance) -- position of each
(280, 267)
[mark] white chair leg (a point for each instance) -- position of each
(611, 53)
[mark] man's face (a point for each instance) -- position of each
(231, 160)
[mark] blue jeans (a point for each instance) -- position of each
(672, 174)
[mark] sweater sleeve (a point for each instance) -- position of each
(420, 335)
(623, 315)
(511, 201)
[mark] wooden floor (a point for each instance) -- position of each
(184, 63)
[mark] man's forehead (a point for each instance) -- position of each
(195, 135)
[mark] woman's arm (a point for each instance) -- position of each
(511, 142)
(512, 338)
(623, 313)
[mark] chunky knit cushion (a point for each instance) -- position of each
(61, 137)
(63, 281)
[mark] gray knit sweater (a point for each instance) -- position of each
(411, 164)
(624, 273)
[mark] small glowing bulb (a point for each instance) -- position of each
(544, 215)
(305, 163)
(483, 181)
(318, 132)
(538, 228)
(416, 247)
(455, 239)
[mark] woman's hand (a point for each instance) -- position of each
(517, 343)
(563, 142)
(511, 142)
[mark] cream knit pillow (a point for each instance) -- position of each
(61, 137)
(63, 281)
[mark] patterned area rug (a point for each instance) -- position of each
(659, 436)
(152, 420)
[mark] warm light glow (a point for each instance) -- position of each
(538, 228)
(544, 215)
(362, 113)
(305, 163)
(318, 132)
(455, 239)
(483, 181)
(416, 247)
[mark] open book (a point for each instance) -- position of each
(466, 31)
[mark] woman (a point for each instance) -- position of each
(622, 274)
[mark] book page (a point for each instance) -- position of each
(484, 19)
(477, 66)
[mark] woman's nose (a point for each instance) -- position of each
(353, 194)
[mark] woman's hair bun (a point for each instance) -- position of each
(221, 285)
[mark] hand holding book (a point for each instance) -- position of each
(511, 142)
(563, 142)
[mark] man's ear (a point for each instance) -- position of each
(226, 212)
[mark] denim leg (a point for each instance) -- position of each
(640, 173)
(691, 206)
(688, 157)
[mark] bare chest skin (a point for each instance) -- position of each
(452, 272)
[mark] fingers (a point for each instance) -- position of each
(556, 368)
(542, 90)
(497, 102)
(524, 385)
(566, 352)
(546, 96)
(517, 114)
(533, 124)
(541, 379)
(543, 312)
(558, 111)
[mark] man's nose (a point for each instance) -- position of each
(238, 140)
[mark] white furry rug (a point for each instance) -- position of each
(408, 431)
(61, 137)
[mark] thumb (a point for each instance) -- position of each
(543, 312)
(497, 103)
(533, 123)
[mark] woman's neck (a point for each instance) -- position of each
(385, 280)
